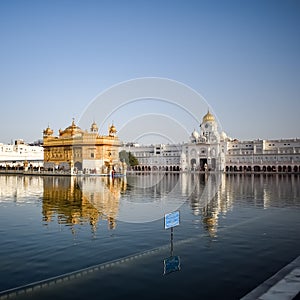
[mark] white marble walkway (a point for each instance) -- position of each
(284, 285)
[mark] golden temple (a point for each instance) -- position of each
(82, 152)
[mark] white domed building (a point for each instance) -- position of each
(210, 149)
(206, 150)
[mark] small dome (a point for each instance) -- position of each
(112, 130)
(208, 118)
(94, 127)
(48, 131)
(195, 134)
(223, 136)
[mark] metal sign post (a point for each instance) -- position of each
(172, 241)
(172, 263)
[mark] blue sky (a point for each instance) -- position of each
(243, 57)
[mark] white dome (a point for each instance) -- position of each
(195, 134)
(223, 135)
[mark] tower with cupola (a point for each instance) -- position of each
(206, 150)
(209, 129)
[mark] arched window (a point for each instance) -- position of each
(256, 168)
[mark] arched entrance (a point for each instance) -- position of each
(78, 166)
(203, 162)
(193, 163)
(256, 168)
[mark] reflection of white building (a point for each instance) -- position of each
(21, 188)
(211, 150)
(15, 155)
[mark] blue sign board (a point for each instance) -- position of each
(171, 219)
(171, 264)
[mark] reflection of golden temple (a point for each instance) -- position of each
(210, 219)
(76, 150)
(81, 200)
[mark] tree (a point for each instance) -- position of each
(133, 161)
(129, 158)
(123, 156)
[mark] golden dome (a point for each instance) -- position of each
(112, 130)
(48, 131)
(71, 130)
(94, 127)
(208, 118)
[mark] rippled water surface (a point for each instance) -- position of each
(235, 232)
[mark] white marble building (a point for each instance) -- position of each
(204, 151)
(211, 150)
(263, 155)
(15, 155)
(157, 157)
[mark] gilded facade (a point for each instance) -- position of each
(82, 151)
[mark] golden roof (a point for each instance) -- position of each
(208, 118)
(71, 130)
(48, 131)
